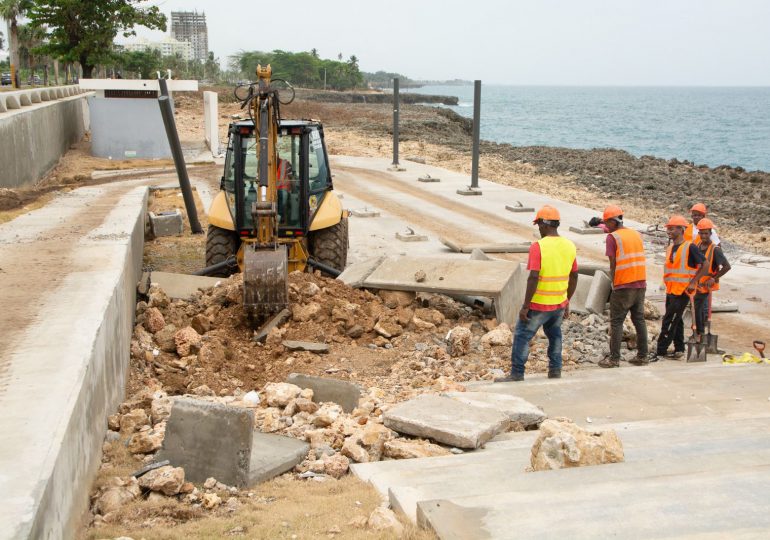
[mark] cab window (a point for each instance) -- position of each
(318, 168)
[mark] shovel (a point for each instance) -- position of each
(711, 339)
(696, 349)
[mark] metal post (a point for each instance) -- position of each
(181, 170)
(473, 189)
(395, 121)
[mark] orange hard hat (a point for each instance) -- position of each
(705, 223)
(699, 207)
(612, 211)
(676, 221)
(547, 212)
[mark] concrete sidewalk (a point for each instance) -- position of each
(69, 275)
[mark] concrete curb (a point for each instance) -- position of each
(68, 375)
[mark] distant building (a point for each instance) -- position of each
(167, 47)
(190, 26)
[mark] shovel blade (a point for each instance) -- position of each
(265, 282)
(696, 352)
(711, 344)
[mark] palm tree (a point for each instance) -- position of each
(12, 11)
(29, 38)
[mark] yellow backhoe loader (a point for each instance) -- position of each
(276, 211)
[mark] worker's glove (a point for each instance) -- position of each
(595, 221)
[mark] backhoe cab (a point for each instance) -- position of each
(276, 211)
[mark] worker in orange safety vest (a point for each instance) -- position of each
(717, 266)
(552, 280)
(683, 269)
(698, 212)
(628, 271)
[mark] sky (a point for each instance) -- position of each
(523, 42)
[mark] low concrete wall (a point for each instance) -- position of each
(73, 365)
(127, 128)
(36, 129)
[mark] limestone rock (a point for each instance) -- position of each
(210, 500)
(305, 405)
(395, 299)
(335, 465)
(279, 394)
(160, 409)
(167, 480)
(651, 312)
(459, 341)
(118, 493)
(210, 483)
(157, 297)
(309, 289)
(430, 315)
(145, 442)
(563, 444)
(500, 336)
(355, 451)
(153, 320)
(306, 312)
(132, 421)
(212, 354)
(408, 449)
(201, 324)
(202, 390)
(187, 341)
(165, 338)
(327, 414)
(388, 328)
(383, 519)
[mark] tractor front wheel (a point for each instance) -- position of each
(330, 246)
(221, 245)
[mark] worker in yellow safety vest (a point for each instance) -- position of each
(552, 280)
(628, 270)
(683, 269)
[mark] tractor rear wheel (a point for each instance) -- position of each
(330, 246)
(221, 244)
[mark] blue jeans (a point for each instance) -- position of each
(551, 323)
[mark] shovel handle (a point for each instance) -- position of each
(760, 347)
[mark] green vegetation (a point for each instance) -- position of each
(382, 79)
(301, 69)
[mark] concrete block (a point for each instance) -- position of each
(469, 191)
(428, 178)
(586, 230)
(345, 394)
(479, 255)
(446, 421)
(518, 208)
(272, 455)
(276, 321)
(309, 346)
(724, 307)
(364, 213)
(501, 247)
(177, 286)
(209, 439)
(411, 237)
(599, 293)
(167, 223)
(515, 408)
(396, 168)
(577, 303)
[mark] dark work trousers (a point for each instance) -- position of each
(621, 302)
(672, 328)
(701, 312)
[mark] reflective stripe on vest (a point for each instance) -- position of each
(557, 255)
(630, 263)
(709, 264)
(678, 274)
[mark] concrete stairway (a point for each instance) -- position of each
(696, 440)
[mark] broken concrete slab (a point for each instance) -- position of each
(355, 274)
(411, 236)
(272, 455)
(577, 303)
(518, 207)
(599, 293)
(166, 223)
(278, 320)
(586, 230)
(364, 213)
(309, 346)
(724, 307)
(515, 408)
(446, 420)
(503, 247)
(177, 286)
(428, 178)
(343, 393)
(209, 439)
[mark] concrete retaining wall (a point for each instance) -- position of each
(37, 127)
(70, 375)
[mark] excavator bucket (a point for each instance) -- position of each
(265, 282)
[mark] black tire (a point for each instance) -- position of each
(330, 246)
(221, 244)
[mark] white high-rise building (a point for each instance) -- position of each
(167, 47)
(190, 26)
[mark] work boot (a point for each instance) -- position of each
(676, 355)
(609, 363)
(640, 361)
(510, 378)
(652, 357)
(555, 374)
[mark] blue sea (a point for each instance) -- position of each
(712, 126)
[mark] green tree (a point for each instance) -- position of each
(83, 30)
(12, 11)
(2, 43)
(301, 68)
(30, 39)
(141, 64)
